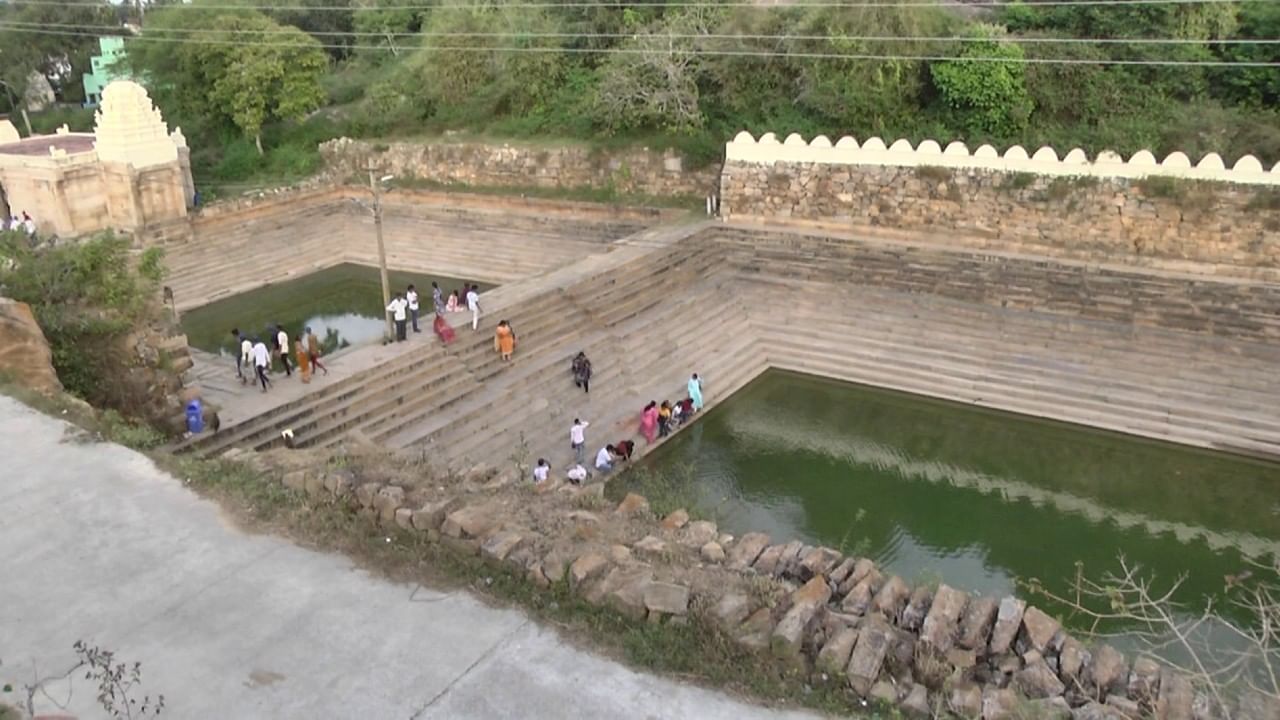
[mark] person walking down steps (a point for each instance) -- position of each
(282, 345)
(582, 372)
(473, 304)
(578, 438)
(261, 361)
(412, 298)
(695, 391)
(313, 351)
(398, 309)
(504, 340)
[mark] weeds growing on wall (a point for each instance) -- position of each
(86, 297)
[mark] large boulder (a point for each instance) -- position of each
(24, 353)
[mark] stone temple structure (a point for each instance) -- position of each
(129, 174)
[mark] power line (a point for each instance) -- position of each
(551, 4)
(681, 36)
(703, 52)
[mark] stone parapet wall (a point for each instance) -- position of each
(1227, 308)
(631, 170)
(831, 620)
(1202, 219)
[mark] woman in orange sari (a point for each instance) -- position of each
(504, 340)
(304, 360)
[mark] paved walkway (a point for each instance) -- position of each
(100, 545)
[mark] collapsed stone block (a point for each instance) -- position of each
(1039, 628)
(632, 504)
(892, 598)
(676, 520)
(712, 552)
(1144, 680)
(1107, 670)
(586, 567)
(746, 550)
(917, 607)
(833, 658)
(939, 628)
(867, 657)
(975, 626)
(500, 545)
(666, 598)
(1038, 680)
(805, 603)
(1008, 621)
(731, 610)
(473, 521)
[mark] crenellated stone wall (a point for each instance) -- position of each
(1203, 218)
(632, 171)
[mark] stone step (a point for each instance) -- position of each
(1056, 404)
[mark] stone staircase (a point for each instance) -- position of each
(660, 304)
(438, 392)
(1187, 388)
(226, 258)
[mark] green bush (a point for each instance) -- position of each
(85, 297)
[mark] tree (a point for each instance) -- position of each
(655, 84)
(877, 96)
(468, 74)
(393, 20)
(985, 97)
(248, 71)
(62, 58)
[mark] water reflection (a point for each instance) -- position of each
(342, 305)
(981, 499)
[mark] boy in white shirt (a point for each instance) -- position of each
(577, 474)
(578, 438)
(398, 308)
(604, 460)
(282, 343)
(261, 361)
(412, 297)
(473, 304)
(540, 472)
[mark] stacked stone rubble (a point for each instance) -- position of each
(834, 619)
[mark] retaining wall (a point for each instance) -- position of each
(632, 170)
(1203, 218)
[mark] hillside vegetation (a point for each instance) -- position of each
(260, 89)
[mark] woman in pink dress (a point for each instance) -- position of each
(649, 422)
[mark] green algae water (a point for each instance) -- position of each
(341, 304)
(938, 491)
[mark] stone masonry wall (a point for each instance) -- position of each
(636, 170)
(1223, 307)
(831, 619)
(1184, 224)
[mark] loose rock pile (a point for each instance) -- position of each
(834, 619)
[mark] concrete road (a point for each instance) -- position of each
(98, 544)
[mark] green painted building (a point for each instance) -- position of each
(104, 69)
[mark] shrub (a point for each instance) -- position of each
(85, 297)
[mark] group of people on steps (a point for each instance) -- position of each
(656, 421)
(404, 310)
(254, 359)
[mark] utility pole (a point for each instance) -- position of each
(376, 186)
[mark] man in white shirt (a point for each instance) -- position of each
(604, 460)
(282, 344)
(577, 474)
(412, 297)
(473, 304)
(578, 438)
(541, 470)
(398, 308)
(261, 361)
